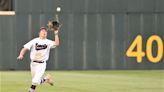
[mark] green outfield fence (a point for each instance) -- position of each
(95, 33)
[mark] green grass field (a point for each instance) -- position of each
(87, 81)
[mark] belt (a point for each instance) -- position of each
(38, 61)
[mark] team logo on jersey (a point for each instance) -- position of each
(40, 47)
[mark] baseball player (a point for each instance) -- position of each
(40, 49)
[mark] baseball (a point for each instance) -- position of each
(58, 9)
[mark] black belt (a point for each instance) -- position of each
(38, 61)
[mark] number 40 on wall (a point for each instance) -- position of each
(139, 53)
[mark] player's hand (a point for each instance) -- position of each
(56, 32)
(20, 57)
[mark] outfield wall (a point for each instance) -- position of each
(95, 33)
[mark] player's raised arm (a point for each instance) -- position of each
(56, 38)
(55, 27)
(21, 54)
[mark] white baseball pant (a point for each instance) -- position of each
(37, 72)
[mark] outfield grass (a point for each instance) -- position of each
(87, 81)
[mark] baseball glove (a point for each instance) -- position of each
(53, 25)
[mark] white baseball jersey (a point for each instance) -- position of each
(40, 48)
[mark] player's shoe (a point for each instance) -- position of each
(48, 77)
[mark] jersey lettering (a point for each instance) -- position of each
(40, 47)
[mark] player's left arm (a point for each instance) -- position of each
(56, 38)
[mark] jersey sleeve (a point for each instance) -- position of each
(29, 44)
(52, 44)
